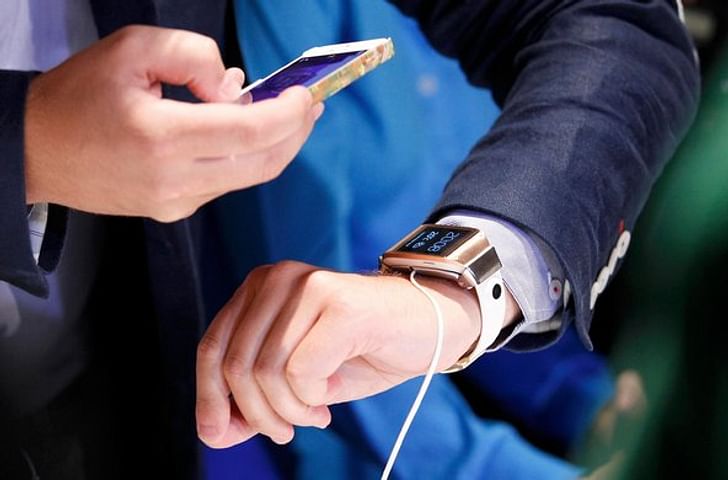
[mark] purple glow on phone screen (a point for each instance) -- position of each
(306, 71)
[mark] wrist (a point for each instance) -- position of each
(461, 312)
(465, 259)
(33, 133)
(461, 317)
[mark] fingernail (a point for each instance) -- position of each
(246, 99)
(323, 425)
(318, 110)
(324, 417)
(283, 439)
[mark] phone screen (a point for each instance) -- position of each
(306, 71)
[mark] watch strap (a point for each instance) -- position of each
(492, 300)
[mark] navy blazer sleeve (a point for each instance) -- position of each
(596, 95)
(17, 265)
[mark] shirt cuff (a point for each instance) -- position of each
(530, 272)
(37, 221)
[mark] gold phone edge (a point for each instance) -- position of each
(342, 78)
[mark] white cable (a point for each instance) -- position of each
(425, 383)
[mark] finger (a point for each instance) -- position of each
(221, 130)
(215, 177)
(213, 407)
(328, 345)
(336, 361)
(356, 378)
(253, 405)
(292, 324)
(243, 350)
(206, 179)
(237, 432)
(232, 84)
(181, 57)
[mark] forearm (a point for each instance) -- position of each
(595, 95)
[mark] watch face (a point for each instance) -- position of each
(439, 240)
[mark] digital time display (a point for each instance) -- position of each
(436, 240)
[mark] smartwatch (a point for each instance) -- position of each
(465, 256)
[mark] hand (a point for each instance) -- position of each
(609, 470)
(627, 405)
(625, 410)
(100, 137)
(294, 339)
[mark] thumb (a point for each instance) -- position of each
(330, 364)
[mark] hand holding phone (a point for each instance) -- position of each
(324, 70)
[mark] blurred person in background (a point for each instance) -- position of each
(671, 298)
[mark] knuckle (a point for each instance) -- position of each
(318, 280)
(196, 42)
(155, 141)
(129, 41)
(283, 270)
(296, 373)
(254, 280)
(205, 409)
(289, 266)
(256, 276)
(234, 368)
(256, 422)
(209, 349)
(134, 121)
(209, 46)
(184, 40)
(129, 33)
(152, 140)
(202, 46)
(266, 370)
(300, 381)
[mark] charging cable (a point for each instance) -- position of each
(425, 383)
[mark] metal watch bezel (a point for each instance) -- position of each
(469, 264)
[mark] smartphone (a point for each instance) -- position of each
(323, 70)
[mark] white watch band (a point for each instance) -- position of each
(492, 299)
